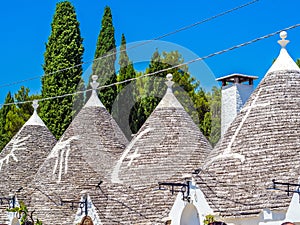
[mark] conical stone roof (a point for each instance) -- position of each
(261, 144)
(83, 156)
(168, 142)
(21, 159)
(166, 147)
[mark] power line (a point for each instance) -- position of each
(164, 70)
(137, 45)
(194, 24)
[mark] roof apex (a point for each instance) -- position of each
(284, 60)
(169, 99)
(35, 120)
(94, 99)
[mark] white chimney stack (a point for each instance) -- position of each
(235, 92)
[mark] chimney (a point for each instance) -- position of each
(236, 89)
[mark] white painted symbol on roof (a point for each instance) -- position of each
(58, 152)
(116, 170)
(133, 156)
(254, 106)
(17, 144)
(227, 152)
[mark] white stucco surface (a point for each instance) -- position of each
(293, 212)
(197, 200)
(234, 96)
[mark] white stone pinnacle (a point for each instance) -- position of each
(169, 82)
(94, 84)
(35, 120)
(169, 100)
(35, 105)
(284, 60)
(94, 99)
(283, 36)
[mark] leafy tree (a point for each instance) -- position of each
(23, 212)
(146, 97)
(209, 219)
(203, 110)
(126, 96)
(6, 108)
(23, 95)
(13, 117)
(64, 49)
(152, 89)
(4, 136)
(105, 57)
(214, 115)
(298, 62)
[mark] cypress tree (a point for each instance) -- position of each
(125, 97)
(126, 67)
(64, 49)
(105, 66)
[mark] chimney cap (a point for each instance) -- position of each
(237, 78)
(232, 76)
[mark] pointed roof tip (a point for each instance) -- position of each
(94, 99)
(284, 60)
(169, 100)
(35, 120)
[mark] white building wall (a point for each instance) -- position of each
(293, 212)
(228, 108)
(197, 199)
(199, 203)
(266, 217)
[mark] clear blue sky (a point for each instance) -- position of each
(25, 27)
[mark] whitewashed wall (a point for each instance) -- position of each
(234, 96)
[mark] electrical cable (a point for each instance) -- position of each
(166, 69)
(135, 46)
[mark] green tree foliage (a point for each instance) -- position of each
(23, 212)
(125, 96)
(22, 96)
(13, 117)
(4, 136)
(152, 89)
(298, 62)
(104, 67)
(209, 219)
(64, 49)
(213, 117)
(126, 67)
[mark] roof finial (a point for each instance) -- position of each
(35, 105)
(35, 120)
(94, 84)
(94, 99)
(169, 83)
(283, 36)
